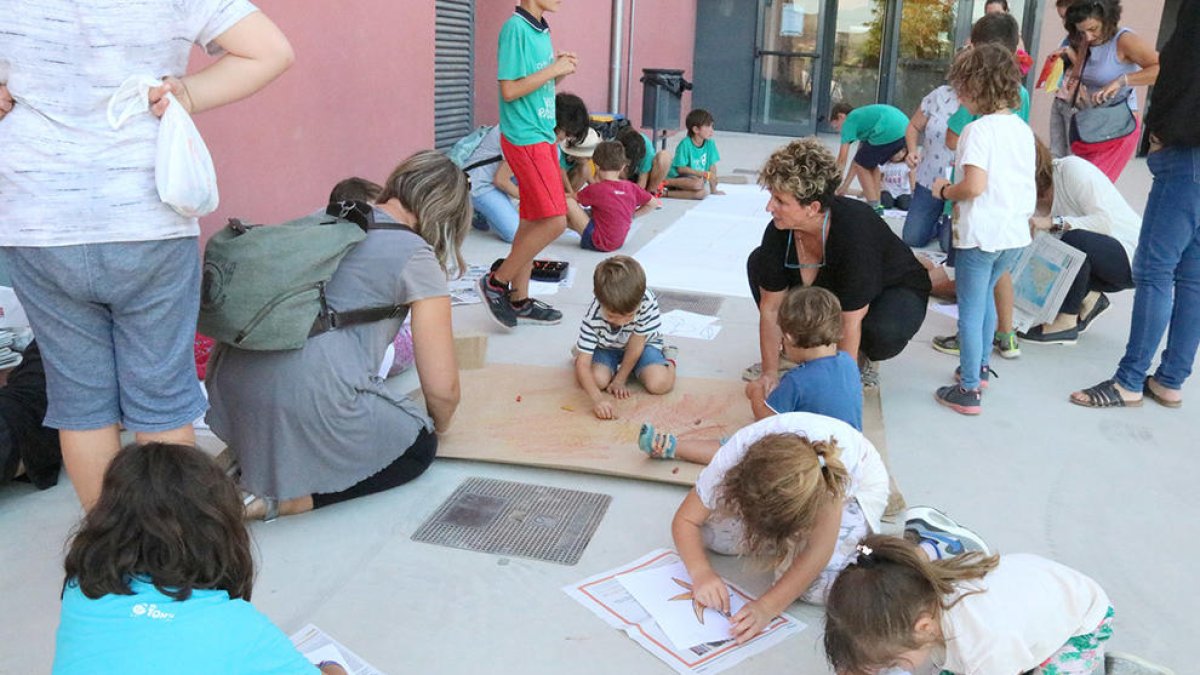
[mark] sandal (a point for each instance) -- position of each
(1105, 395)
(270, 507)
(1165, 402)
(656, 445)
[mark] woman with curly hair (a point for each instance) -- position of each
(996, 196)
(835, 243)
(799, 490)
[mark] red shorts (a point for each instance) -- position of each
(538, 179)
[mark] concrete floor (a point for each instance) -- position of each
(1108, 492)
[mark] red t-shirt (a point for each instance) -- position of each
(613, 203)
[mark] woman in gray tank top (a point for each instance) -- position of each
(1117, 61)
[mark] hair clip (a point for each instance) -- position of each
(864, 550)
(821, 460)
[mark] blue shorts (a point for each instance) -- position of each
(871, 156)
(116, 323)
(611, 358)
(585, 238)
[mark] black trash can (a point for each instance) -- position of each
(662, 91)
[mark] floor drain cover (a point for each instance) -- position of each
(698, 303)
(516, 519)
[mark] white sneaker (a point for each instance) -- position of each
(942, 533)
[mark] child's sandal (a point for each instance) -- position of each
(655, 445)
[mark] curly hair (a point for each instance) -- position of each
(876, 601)
(168, 513)
(779, 487)
(805, 169)
(989, 76)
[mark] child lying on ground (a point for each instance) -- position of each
(159, 574)
(975, 613)
(614, 202)
(620, 336)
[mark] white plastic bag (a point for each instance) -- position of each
(183, 169)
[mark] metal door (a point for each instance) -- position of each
(787, 66)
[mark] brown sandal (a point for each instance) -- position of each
(1165, 402)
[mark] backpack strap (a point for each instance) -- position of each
(483, 162)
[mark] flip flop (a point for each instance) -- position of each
(1105, 395)
(1165, 402)
(646, 442)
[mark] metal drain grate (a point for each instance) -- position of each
(698, 303)
(516, 519)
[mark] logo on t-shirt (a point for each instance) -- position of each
(152, 611)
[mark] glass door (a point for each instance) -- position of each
(787, 72)
(926, 50)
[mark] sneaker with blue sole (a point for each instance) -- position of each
(940, 533)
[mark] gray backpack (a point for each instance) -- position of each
(264, 286)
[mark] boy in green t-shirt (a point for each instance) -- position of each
(695, 160)
(879, 130)
(527, 71)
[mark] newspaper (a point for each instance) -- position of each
(464, 290)
(317, 646)
(607, 598)
(1042, 276)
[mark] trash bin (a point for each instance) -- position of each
(662, 91)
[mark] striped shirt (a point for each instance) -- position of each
(66, 176)
(595, 332)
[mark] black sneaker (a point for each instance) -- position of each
(496, 301)
(536, 312)
(966, 402)
(985, 374)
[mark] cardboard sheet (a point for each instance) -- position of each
(552, 425)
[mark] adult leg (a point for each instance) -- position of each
(921, 223)
(1168, 229)
(415, 460)
(753, 263)
(891, 322)
(498, 210)
(1183, 337)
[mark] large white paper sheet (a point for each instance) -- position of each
(665, 592)
(685, 324)
(317, 646)
(605, 597)
(705, 250)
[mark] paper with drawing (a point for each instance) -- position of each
(664, 593)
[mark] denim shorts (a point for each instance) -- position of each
(611, 358)
(585, 238)
(116, 323)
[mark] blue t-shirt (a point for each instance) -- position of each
(828, 386)
(150, 633)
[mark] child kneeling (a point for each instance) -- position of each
(620, 336)
(799, 488)
(973, 613)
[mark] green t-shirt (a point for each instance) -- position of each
(697, 159)
(959, 121)
(524, 50)
(877, 124)
(648, 160)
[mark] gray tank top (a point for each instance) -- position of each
(1103, 67)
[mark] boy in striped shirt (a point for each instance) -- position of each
(619, 336)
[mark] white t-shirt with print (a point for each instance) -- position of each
(67, 177)
(1030, 607)
(1002, 145)
(897, 179)
(868, 476)
(938, 105)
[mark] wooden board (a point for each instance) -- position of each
(538, 416)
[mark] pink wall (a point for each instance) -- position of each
(357, 100)
(662, 38)
(1145, 21)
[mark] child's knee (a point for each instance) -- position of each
(657, 379)
(602, 375)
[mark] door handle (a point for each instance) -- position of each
(758, 53)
